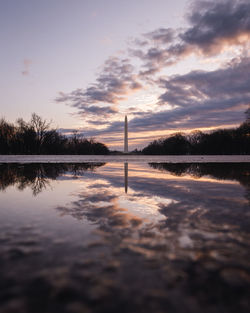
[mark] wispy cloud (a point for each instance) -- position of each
(113, 84)
(26, 67)
(160, 35)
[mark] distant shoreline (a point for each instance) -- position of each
(125, 158)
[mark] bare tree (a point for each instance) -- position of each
(41, 127)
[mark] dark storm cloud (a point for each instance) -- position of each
(112, 85)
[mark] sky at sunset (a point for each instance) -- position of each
(169, 65)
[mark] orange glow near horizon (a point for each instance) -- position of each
(143, 138)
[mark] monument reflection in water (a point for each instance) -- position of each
(176, 240)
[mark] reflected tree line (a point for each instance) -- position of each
(219, 142)
(36, 137)
(239, 172)
(38, 176)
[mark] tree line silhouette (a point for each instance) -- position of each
(36, 137)
(222, 141)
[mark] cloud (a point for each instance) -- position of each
(113, 84)
(97, 110)
(194, 100)
(26, 63)
(202, 99)
(163, 49)
(212, 27)
(161, 35)
(198, 99)
(201, 86)
(216, 24)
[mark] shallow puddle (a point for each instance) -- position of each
(120, 237)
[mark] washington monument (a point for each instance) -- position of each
(126, 135)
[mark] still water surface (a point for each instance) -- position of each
(124, 237)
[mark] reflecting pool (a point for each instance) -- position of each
(120, 237)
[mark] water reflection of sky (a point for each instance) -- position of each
(179, 231)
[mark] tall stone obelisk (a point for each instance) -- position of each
(126, 135)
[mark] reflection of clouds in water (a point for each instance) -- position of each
(190, 230)
(208, 195)
(180, 214)
(100, 206)
(167, 239)
(95, 188)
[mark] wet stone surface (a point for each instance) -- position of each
(72, 239)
